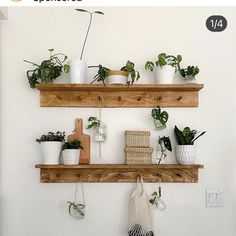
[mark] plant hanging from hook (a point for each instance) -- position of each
(89, 26)
(77, 209)
(99, 129)
(156, 200)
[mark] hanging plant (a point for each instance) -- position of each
(99, 129)
(160, 117)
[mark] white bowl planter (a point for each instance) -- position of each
(186, 154)
(51, 152)
(165, 74)
(116, 77)
(71, 156)
(78, 71)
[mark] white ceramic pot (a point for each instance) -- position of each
(186, 154)
(165, 74)
(71, 156)
(51, 152)
(116, 77)
(78, 71)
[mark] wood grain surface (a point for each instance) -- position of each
(118, 173)
(141, 95)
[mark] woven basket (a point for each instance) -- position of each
(136, 155)
(137, 138)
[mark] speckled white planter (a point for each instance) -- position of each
(51, 152)
(186, 154)
(71, 156)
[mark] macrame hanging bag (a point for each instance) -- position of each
(139, 221)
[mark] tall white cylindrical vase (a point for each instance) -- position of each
(78, 71)
(165, 74)
(51, 152)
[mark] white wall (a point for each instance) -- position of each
(138, 34)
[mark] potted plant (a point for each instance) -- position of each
(71, 152)
(126, 75)
(163, 145)
(185, 150)
(78, 66)
(51, 144)
(99, 129)
(165, 67)
(189, 73)
(76, 210)
(48, 70)
(160, 118)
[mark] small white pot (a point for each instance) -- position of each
(78, 71)
(165, 74)
(51, 152)
(116, 77)
(71, 156)
(186, 154)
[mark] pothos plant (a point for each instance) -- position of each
(190, 72)
(164, 59)
(48, 70)
(100, 134)
(164, 144)
(89, 26)
(161, 116)
(133, 75)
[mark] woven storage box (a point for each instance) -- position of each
(135, 155)
(137, 138)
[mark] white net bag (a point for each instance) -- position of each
(139, 221)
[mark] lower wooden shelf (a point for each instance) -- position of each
(119, 173)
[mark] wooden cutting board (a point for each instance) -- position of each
(85, 141)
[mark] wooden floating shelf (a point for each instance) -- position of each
(120, 173)
(137, 95)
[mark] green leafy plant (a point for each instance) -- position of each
(93, 122)
(89, 26)
(190, 72)
(75, 144)
(133, 75)
(48, 70)
(153, 200)
(164, 143)
(162, 116)
(163, 60)
(187, 136)
(52, 137)
(77, 208)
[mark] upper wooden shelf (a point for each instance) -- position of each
(137, 95)
(172, 173)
